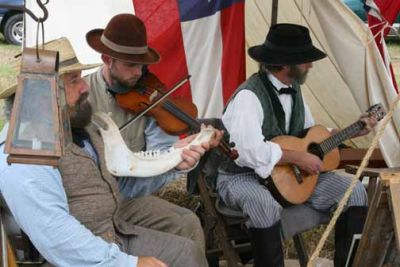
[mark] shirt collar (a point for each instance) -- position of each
(275, 82)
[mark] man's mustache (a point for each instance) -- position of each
(82, 98)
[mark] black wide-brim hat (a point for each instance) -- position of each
(286, 44)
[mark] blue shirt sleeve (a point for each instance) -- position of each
(156, 139)
(37, 200)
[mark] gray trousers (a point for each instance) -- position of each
(166, 231)
(244, 192)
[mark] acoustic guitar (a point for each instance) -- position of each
(290, 185)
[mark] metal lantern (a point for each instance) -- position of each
(39, 126)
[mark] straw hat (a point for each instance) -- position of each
(68, 62)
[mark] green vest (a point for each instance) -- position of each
(274, 116)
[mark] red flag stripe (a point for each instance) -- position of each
(165, 35)
(233, 57)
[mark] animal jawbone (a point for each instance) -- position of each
(120, 161)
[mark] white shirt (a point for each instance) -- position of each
(243, 119)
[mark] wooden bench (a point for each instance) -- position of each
(380, 241)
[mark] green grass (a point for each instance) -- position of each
(7, 73)
(5, 46)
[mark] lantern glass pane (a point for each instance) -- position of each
(35, 122)
(65, 122)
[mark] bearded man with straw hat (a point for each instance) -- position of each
(74, 214)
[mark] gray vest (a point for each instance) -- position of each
(92, 192)
(274, 116)
(101, 100)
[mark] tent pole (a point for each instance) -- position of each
(274, 15)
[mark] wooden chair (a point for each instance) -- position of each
(225, 228)
(15, 246)
(226, 233)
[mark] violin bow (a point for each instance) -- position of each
(174, 88)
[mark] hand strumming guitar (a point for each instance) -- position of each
(304, 160)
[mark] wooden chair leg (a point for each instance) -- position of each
(301, 249)
(230, 255)
(3, 244)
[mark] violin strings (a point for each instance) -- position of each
(171, 107)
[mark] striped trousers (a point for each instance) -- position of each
(244, 192)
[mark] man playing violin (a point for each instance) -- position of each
(75, 214)
(125, 54)
(267, 105)
(124, 51)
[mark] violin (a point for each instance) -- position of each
(174, 115)
(171, 115)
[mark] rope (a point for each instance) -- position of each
(354, 181)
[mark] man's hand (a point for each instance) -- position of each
(192, 155)
(216, 139)
(150, 262)
(370, 123)
(309, 163)
(304, 160)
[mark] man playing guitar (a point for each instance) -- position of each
(267, 105)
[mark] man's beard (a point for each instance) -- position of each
(297, 75)
(120, 86)
(81, 112)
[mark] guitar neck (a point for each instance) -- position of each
(336, 139)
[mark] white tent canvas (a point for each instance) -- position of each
(339, 88)
(73, 19)
(352, 77)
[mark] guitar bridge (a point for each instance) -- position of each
(297, 174)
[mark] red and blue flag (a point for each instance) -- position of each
(381, 16)
(203, 38)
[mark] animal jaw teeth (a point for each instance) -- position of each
(149, 154)
(120, 161)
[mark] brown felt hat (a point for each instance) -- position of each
(124, 38)
(68, 62)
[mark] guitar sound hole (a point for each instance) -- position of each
(316, 150)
